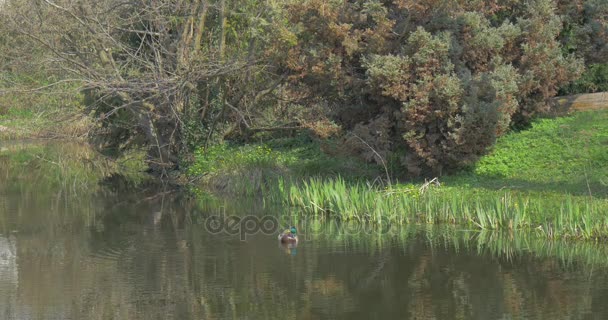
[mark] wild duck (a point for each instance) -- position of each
(289, 236)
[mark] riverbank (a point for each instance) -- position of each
(18, 125)
(43, 116)
(551, 179)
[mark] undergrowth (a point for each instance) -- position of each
(551, 179)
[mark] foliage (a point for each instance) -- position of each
(42, 119)
(594, 79)
(433, 83)
(154, 73)
(12, 113)
(585, 34)
(585, 31)
(551, 179)
(448, 77)
(224, 167)
(221, 157)
(550, 216)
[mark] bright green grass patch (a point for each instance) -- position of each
(298, 156)
(564, 155)
(17, 113)
(226, 158)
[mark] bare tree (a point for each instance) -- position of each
(149, 67)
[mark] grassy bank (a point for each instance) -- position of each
(256, 169)
(18, 124)
(549, 214)
(563, 155)
(551, 179)
(38, 114)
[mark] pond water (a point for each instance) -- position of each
(76, 245)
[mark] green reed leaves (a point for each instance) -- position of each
(564, 216)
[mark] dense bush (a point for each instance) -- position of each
(585, 29)
(594, 79)
(439, 79)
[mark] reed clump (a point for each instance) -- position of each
(552, 215)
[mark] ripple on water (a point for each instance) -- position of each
(108, 254)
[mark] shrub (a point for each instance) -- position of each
(437, 79)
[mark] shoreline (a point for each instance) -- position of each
(491, 197)
(550, 179)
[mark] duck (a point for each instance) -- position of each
(289, 236)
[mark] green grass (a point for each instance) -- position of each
(550, 180)
(25, 115)
(563, 155)
(16, 113)
(251, 169)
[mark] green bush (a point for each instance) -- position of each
(594, 79)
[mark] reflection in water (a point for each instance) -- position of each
(8, 274)
(131, 251)
(289, 248)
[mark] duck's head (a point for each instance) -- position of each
(293, 230)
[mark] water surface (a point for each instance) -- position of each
(77, 242)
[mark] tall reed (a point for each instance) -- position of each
(565, 217)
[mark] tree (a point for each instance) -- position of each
(155, 73)
(435, 81)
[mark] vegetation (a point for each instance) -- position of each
(24, 123)
(563, 155)
(550, 215)
(430, 84)
(26, 114)
(594, 79)
(441, 92)
(550, 179)
(333, 111)
(256, 168)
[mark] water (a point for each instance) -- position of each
(74, 248)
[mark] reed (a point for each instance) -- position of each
(551, 215)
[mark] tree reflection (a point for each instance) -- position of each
(124, 251)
